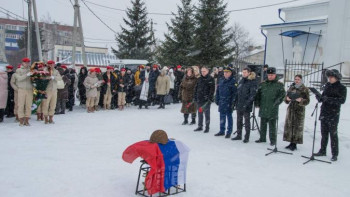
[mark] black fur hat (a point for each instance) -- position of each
(271, 70)
(334, 73)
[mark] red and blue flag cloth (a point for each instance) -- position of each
(168, 163)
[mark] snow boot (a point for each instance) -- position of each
(46, 120)
(2, 113)
(193, 119)
(206, 130)
(293, 147)
(38, 117)
(228, 135)
(26, 121)
(51, 120)
(21, 122)
(260, 141)
(288, 147)
(185, 119)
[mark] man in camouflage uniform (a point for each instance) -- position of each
(268, 98)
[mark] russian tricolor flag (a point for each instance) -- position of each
(168, 163)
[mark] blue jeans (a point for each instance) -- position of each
(223, 117)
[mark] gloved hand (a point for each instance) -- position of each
(52, 77)
(28, 74)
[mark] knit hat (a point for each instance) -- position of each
(334, 73)
(159, 136)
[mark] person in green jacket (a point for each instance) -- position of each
(268, 98)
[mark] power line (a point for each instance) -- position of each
(12, 13)
(123, 10)
(263, 6)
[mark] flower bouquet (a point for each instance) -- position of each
(40, 79)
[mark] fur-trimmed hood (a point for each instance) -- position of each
(252, 76)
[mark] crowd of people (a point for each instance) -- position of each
(195, 87)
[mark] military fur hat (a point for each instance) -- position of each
(159, 136)
(334, 73)
(271, 70)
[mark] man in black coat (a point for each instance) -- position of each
(204, 96)
(9, 111)
(179, 75)
(246, 92)
(152, 92)
(333, 96)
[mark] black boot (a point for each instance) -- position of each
(238, 137)
(2, 113)
(334, 158)
(199, 129)
(185, 119)
(320, 153)
(206, 130)
(290, 145)
(293, 147)
(193, 119)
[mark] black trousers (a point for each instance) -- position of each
(9, 111)
(206, 113)
(246, 116)
(329, 127)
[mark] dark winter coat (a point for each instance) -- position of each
(143, 76)
(11, 92)
(205, 89)
(153, 76)
(186, 93)
(81, 79)
(294, 124)
(62, 94)
(246, 92)
(122, 80)
(113, 82)
(333, 96)
(226, 94)
(72, 80)
(179, 75)
(100, 78)
(268, 98)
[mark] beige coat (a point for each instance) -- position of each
(3, 89)
(163, 84)
(52, 86)
(13, 81)
(90, 85)
(23, 81)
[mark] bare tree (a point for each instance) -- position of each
(240, 41)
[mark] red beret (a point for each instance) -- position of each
(25, 59)
(110, 68)
(19, 65)
(9, 67)
(62, 66)
(98, 70)
(178, 66)
(123, 69)
(155, 66)
(92, 70)
(50, 62)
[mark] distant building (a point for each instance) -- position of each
(53, 34)
(314, 33)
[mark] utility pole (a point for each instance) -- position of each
(29, 29)
(77, 20)
(32, 5)
(38, 39)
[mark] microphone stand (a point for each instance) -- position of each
(312, 157)
(275, 150)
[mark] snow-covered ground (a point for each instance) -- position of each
(80, 156)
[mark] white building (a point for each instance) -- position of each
(313, 33)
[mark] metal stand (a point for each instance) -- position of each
(275, 150)
(312, 157)
(254, 120)
(144, 169)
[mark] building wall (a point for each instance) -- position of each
(301, 13)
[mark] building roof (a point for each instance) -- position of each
(24, 23)
(297, 23)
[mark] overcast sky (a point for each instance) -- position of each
(62, 11)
